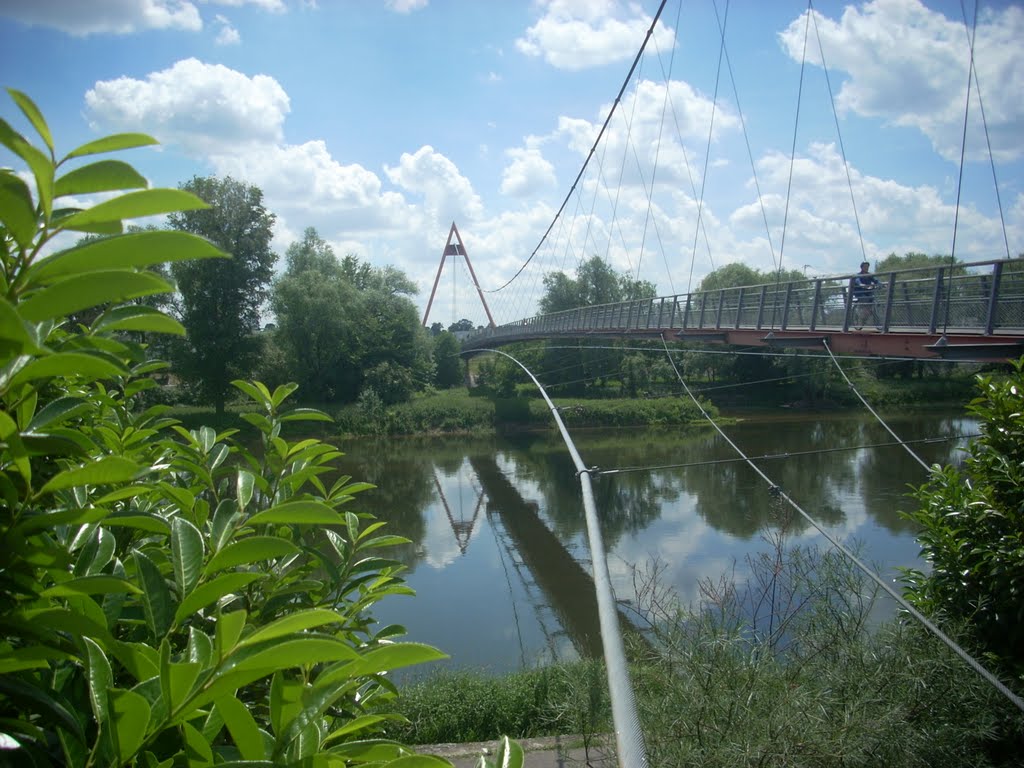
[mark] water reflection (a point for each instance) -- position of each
(498, 554)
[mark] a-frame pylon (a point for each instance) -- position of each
(456, 248)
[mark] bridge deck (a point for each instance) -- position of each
(970, 311)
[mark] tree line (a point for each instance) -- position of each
(340, 328)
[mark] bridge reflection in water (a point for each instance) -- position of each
(964, 311)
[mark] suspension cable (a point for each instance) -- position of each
(629, 737)
(590, 154)
(950, 643)
(839, 133)
(868, 406)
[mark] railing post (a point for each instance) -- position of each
(686, 311)
(700, 317)
(760, 307)
(889, 295)
(815, 304)
(993, 298)
(739, 306)
(933, 321)
(785, 306)
(849, 306)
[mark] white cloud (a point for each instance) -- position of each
(580, 34)
(447, 194)
(118, 17)
(274, 6)
(908, 65)
(82, 18)
(527, 173)
(227, 35)
(406, 6)
(206, 108)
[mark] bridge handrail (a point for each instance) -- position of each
(942, 288)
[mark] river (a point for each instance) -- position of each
(499, 556)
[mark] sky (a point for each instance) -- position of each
(380, 123)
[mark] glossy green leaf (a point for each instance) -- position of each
(49, 520)
(109, 469)
(182, 679)
(298, 652)
(134, 205)
(148, 523)
(39, 163)
(17, 210)
(242, 727)
(228, 630)
(510, 754)
(98, 584)
(130, 720)
(90, 289)
(47, 704)
(305, 414)
(371, 751)
(139, 317)
(186, 554)
(357, 724)
(256, 391)
(67, 364)
(250, 550)
(282, 393)
(244, 488)
(197, 748)
(200, 647)
(157, 602)
(101, 679)
(212, 591)
(12, 327)
(101, 176)
(57, 412)
(31, 111)
(384, 659)
(134, 250)
(295, 622)
(112, 143)
(298, 513)
(141, 660)
(15, 447)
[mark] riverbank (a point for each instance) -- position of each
(460, 411)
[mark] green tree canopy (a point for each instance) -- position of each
(221, 299)
(338, 320)
(448, 365)
(596, 282)
(737, 274)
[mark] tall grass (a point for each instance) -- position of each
(791, 671)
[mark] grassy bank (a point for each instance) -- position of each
(457, 411)
(466, 705)
(789, 671)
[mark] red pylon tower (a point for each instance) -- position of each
(456, 248)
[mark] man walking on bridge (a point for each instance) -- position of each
(864, 286)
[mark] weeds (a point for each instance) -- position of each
(789, 671)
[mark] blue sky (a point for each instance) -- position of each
(380, 123)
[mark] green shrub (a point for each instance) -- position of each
(168, 595)
(972, 529)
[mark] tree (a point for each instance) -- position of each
(448, 365)
(336, 321)
(972, 528)
(595, 283)
(221, 300)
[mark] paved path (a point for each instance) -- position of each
(550, 752)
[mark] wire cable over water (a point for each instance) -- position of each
(629, 738)
(949, 642)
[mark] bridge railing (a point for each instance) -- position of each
(980, 298)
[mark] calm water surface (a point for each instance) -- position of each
(499, 556)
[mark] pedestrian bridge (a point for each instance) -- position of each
(962, 311)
